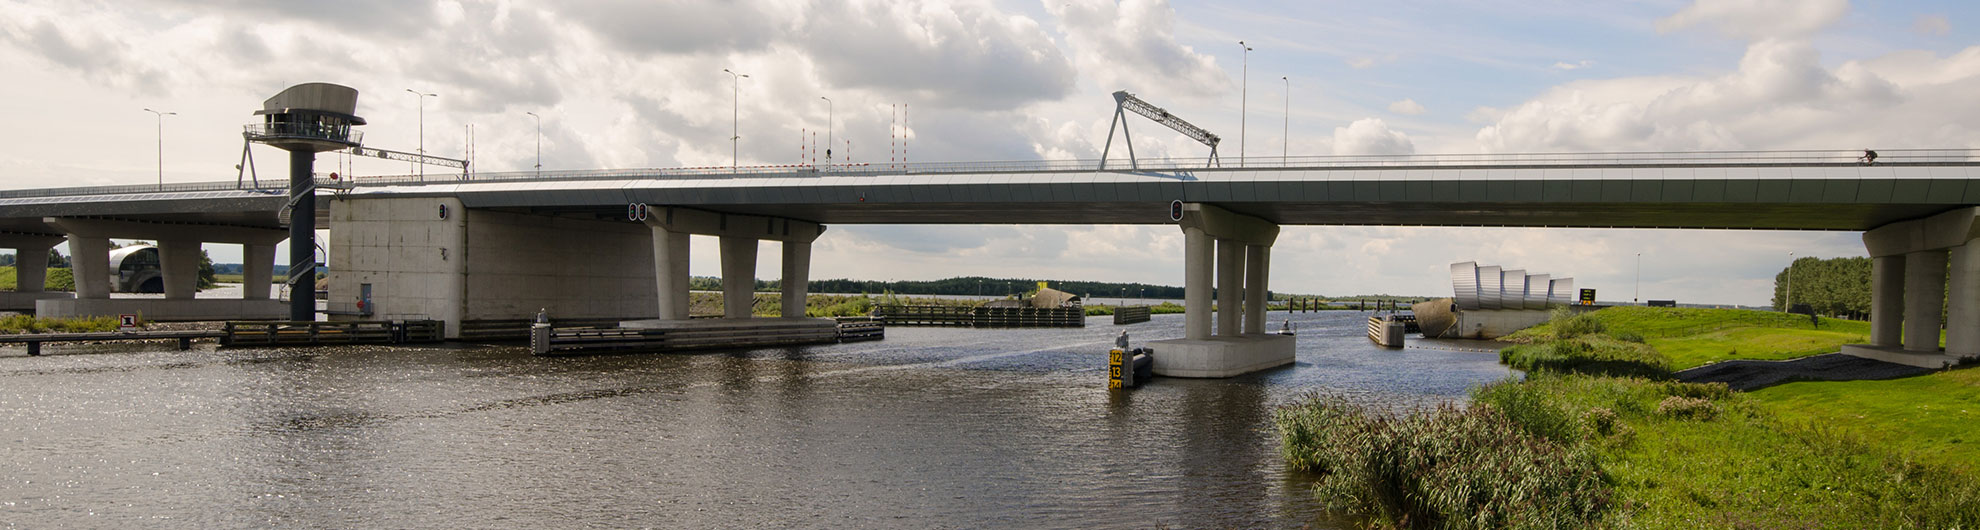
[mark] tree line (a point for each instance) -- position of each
(1833, 286)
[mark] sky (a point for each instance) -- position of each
(635, 84)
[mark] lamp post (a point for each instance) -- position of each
(1244, 95)
(1787, 297)
(539, 143)
(735, 117)
(1285, 134)
(1639, 279)
(422, 128)
(161, 144)
(828, 130)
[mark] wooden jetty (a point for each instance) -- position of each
(1131, 315)
(35, 340)
(280, 333)
(1073, 316)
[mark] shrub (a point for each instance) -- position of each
(1593, 354)
(1688, 408)
(1629, 336)
(1449, 467)
(1600, 420)
(1568, 323)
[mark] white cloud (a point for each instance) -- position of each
(1781, 96)
(1932, 25)
(1757, 19)
(1371, 136)
(1406, 107)
(1131, 45)
(1563, 65)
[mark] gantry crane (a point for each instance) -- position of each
(1124, 102)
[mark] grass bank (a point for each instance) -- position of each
(14, 324)
(1871, 454)
(59, 279)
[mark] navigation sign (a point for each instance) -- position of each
(127, 322)
(1176, 210)
(1587, 297)
(1115, 363)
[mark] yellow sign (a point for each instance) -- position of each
(1114, 363)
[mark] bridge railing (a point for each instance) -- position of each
(265, 186)
(1947, 157)
(1428, 161)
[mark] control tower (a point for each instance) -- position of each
(306, 119)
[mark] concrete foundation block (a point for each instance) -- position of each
(165, 310)
(1899, 355)
(1222, 356)
(20, 301)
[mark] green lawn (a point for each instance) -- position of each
(1753, 343)
(1934, 417)
(1743, 467)
(1694, 337)
(58, 279)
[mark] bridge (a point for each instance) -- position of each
(612, 244)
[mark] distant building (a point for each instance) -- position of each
(135, 269)
(1490, 302)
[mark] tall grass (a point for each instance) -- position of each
(31, 324)
(1450, 467)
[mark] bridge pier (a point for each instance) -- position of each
(1241, 245)
(30, 270)
(741, 236)
(1910, 282)
(178, 255)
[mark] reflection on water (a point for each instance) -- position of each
(931, 427)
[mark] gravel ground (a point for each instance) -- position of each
(1746, 375)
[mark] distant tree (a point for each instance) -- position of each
(206, 279)
(57, 260)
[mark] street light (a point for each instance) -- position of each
(1639, 279)
(161, 144)
(1787, 298)
(422, 128)
(1285, 150)
(1243, 100)
(539, 143)
(828, 130)
(735, 116)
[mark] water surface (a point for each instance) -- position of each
(933, 427)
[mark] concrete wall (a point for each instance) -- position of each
(484, 265)
(521, 263)
(1492, 324)
(414, 260)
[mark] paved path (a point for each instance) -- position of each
(1747, 375)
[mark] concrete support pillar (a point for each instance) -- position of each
(1886, 300)
(670, 272)
(1257, 264)
(738, 276)
(797, 275)
(31, 270)
(178, 261)
(1963, 306)
(90, 257)
(1196, 283)
(257, 270)
(1924, 296)
(1230, 286)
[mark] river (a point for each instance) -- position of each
(932, 427)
